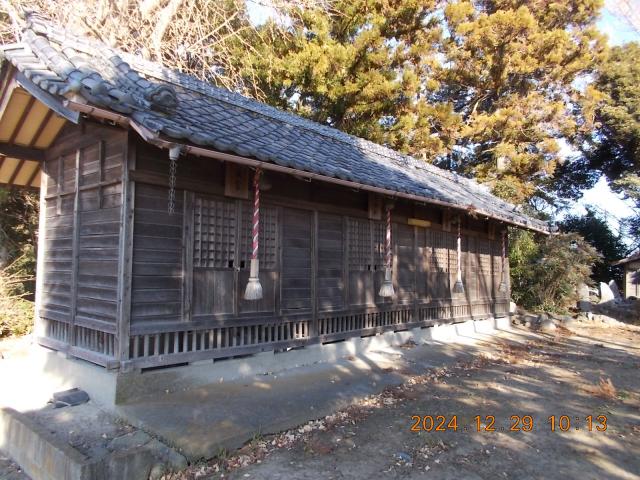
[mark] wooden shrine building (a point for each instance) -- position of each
(148, 180)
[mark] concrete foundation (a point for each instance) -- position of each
(133, 385)
(56, 372)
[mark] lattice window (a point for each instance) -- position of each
(359, 244)
(214, 233)
(469, 254)
(496, 252)
(443, 251)
(484, 248)
(379, 234)
(268, 249)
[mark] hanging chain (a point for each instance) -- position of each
(173, 166)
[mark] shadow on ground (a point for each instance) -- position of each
(530, 374)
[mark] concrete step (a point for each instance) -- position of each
(82, 443)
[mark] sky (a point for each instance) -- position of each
(610, 205)
(259, 11)
(600, 196)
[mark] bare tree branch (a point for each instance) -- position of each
(626, 11)
(204, 38)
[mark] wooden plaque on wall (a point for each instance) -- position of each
(491, 230)
(446, 220)
(236, 181)
(375, 206)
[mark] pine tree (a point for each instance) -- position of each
(509, 73)
(365, 67)
(610, 135)
(597, 232)
(614, 104)
(485, 88)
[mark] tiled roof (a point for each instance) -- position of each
(185, 109)
(631, 258)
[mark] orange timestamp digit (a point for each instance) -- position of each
(437, 423)
(521, 424)
(489, 423)
(563, 423)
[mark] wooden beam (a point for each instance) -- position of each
(187, 258)
(22, 153)
(16, 171)
(39, 327)
(75, 250)
(313, 330)
(33, 176)
(41, 128)
(7, 91)
(23, 116)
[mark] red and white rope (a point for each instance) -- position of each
(256, 216)
(504, 247)
(459, 250)
(387, 244)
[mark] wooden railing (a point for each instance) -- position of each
(166, 348)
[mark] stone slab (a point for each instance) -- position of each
(615, 290)
(40, 454)
(606, 295)
(81, 443)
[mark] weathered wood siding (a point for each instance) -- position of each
(124, 282)
(321, 265)
(79, 277)
(157, 257)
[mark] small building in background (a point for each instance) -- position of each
(631, 279)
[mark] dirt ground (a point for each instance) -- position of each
(592, 371)
(488, 405)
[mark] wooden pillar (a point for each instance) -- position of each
(125, 252)
(187, 258)
(314, 331)
(416, 263)
(75, 250)
(42, 228)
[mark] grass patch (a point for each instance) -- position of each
(16, 312)
(605, 389)
(16, 317)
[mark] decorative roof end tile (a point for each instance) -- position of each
(162, 97)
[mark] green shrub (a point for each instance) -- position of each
(16, 317)
(16, 312)
(546, 271)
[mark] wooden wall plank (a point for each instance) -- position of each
(78, 274)
(75, 246)
(41, 275)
